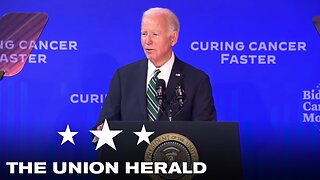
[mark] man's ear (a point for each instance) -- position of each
(174, 38)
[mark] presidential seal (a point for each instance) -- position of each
(177, 151)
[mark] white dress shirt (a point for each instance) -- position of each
(165, 70)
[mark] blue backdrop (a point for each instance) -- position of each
(279, 129)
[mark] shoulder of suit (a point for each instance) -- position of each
(134, 65)
(189, 68)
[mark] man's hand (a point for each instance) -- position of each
(95, 139)
(100, 126)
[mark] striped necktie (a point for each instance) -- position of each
(152, 103)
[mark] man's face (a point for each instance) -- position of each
(156, 38)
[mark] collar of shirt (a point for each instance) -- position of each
(165, 70)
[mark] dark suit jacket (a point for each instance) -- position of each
(126, 99)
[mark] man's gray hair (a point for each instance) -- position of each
(172, 19)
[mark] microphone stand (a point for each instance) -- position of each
(160, 113)
(180, 97)
(170, 113)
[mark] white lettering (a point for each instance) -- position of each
(311, 117)
(197, 169)
(174, 168)
(146, 167)
(85, 168)
(311, 95)
(56, 45)
(134, 167)
(217, 46)
(88, 98)
(308, 106)
(277, 46)
(161, 167)
(11, 166)
(248, 59)
(6, 44)
(14, 58)
(30, 167)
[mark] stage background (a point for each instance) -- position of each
(278, 139)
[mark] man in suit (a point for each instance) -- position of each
(129, 98)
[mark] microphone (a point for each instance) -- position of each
(180, 93)
(160, 89)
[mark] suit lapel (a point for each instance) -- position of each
(176, 73)
(141, 88)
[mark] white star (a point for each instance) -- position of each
(67, 135)
(143, 135)
(105, 135)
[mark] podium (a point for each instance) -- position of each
(214, 143)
